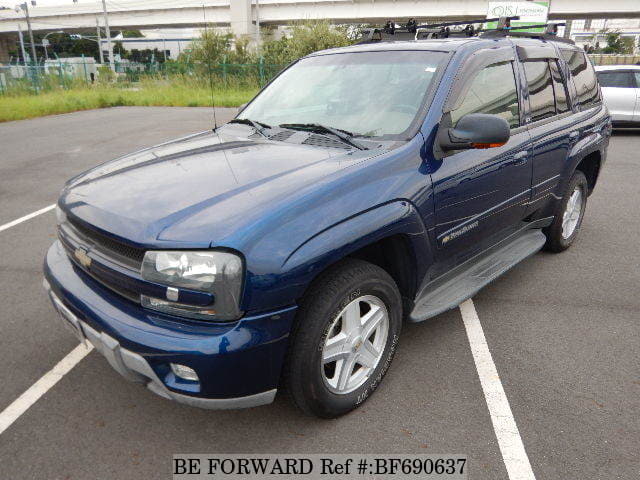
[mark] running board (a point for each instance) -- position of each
(462, 283)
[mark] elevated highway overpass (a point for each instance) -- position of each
(241, 15)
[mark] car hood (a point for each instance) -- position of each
(201, 189)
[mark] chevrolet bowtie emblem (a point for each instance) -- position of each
(83, 257)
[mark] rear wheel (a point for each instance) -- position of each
(345, 337)
(569, 214)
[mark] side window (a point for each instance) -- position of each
(492, 91)
(584, 77)
(616, 79)
(559, 88)
(541, 97)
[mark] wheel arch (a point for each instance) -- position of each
(590, 165)
(391, 236)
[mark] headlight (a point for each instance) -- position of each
(61, 217)
(219, 273)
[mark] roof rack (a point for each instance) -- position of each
(413, 31)
(550, 33)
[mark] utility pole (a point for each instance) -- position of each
(99, 42)
(258, 38)
(108, 32)
(25, 7)
(24, 53)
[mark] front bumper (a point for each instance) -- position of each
(238, 363)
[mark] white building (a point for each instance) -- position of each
(588, 32)
(171, 42)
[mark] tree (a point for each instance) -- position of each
(305, 38)
(617, 44)
(132, 34)
(214, 47)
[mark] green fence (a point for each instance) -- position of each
(69, 73)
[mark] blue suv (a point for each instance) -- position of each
(363, 187)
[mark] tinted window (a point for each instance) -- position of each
(616, 79)
(492, 91)
(540, 85)
(583, 76)
(559, 88)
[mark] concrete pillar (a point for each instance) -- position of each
(241, 18)
(4, 48)
(567, 29)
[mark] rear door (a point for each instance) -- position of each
(548, 118)
(480, 195)
(620, 93)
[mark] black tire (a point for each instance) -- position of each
(323, 302)
(556, 242)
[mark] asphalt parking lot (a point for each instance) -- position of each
(563, 331)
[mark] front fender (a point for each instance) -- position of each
(335, 243)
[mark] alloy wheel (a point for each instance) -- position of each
(572, 213)
(355, 344)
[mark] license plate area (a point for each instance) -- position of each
(69, 320)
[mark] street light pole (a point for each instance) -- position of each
(108, 32)
(45, 43)
(99, 42)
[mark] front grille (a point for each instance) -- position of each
(112, 259)
(113, 250)
(117, 287)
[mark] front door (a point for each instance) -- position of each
(480, 195)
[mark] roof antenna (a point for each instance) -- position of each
(213, 103)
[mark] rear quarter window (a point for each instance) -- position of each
(584, 78)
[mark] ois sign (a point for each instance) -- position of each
(530, 13)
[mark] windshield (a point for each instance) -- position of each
(367, 93)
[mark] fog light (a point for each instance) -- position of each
(184, 372)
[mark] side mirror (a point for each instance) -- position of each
(475, 130)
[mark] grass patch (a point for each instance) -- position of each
(146, 93)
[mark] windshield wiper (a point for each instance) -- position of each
(258, 126)
(346, 137)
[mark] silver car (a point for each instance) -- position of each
(621, 90)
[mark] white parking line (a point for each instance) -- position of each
(27, 217)
(42, 386)
(53, 376)
(511, 446)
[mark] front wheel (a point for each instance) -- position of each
(345, 337)
(569, 214)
